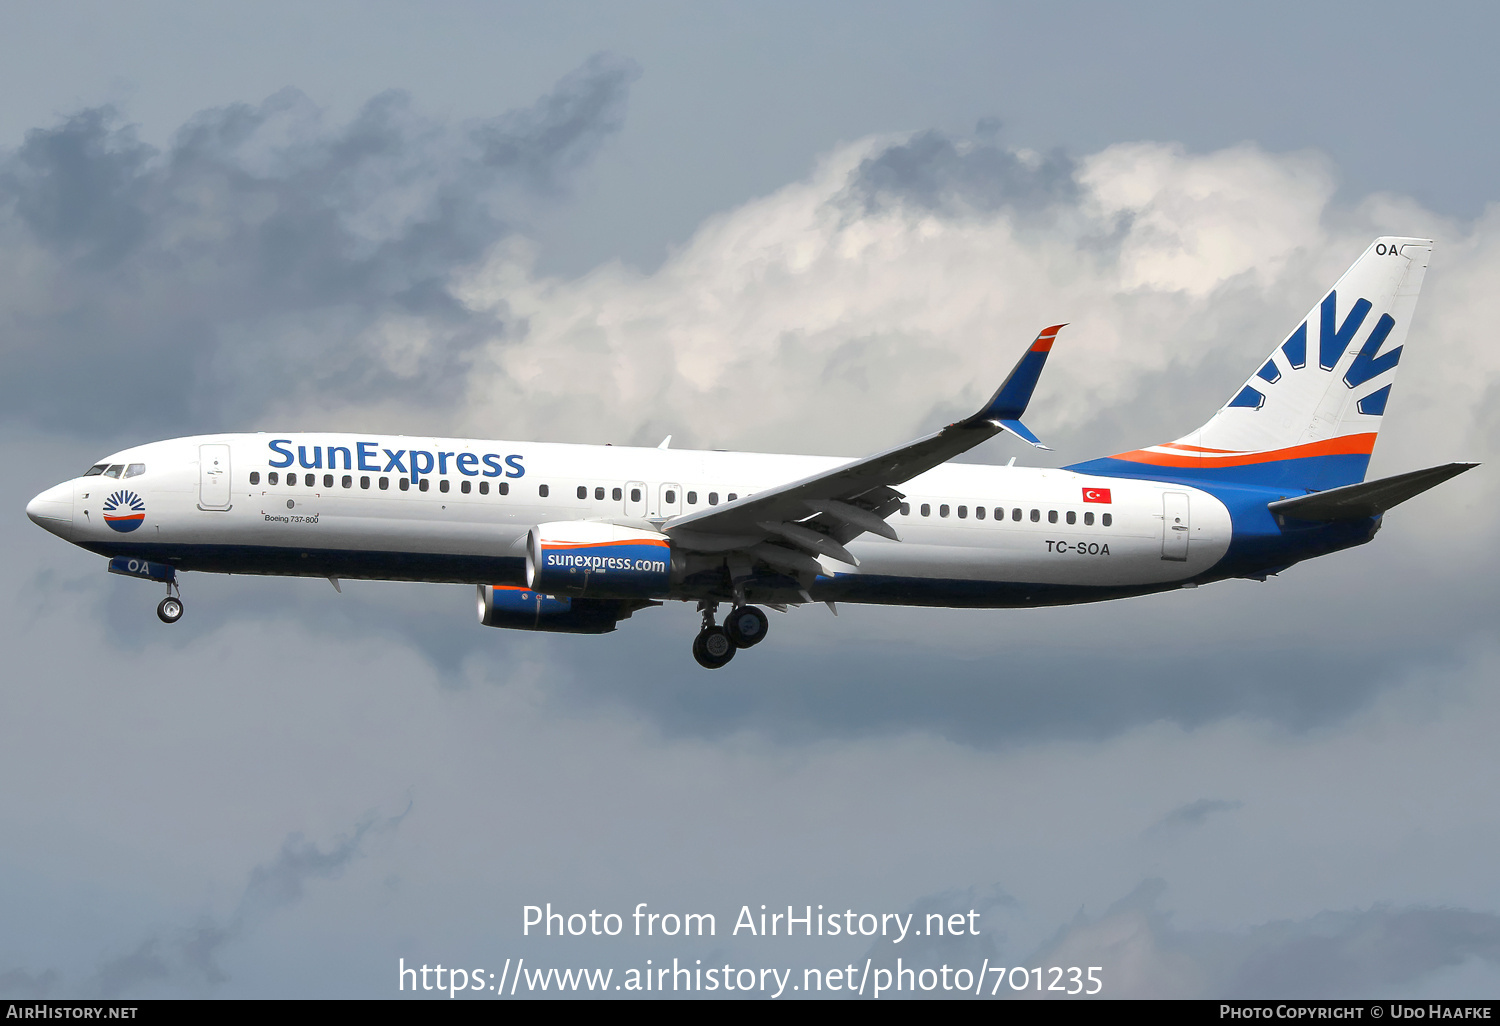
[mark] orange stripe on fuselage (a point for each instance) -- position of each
(595, 545)
(1345, 445)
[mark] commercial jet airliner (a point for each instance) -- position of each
(576, 538)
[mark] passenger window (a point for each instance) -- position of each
(583, 491)
(926, 509)
(906, 509)
(713, 498)
(671, 496)
(692, 498)
(364, 483)
(95, 470)
(465, 487)
(542, 490)
(1052, 516)
(423, 484)
(1088, 520)
(1072, 517)
(1106, 519)
(615, 494)
(943, 510)
(999, 512)
(135, 470)
(1036, 516)
(312, 480)
(963, 512)
(327, 480)
(403, 483)
(443, 485)
(503, 488)
(271, 477)
(598, 494)
(347, 482)
(484, 488)
(732, 496)
(255, 477)
(115, 470)
(978, 512)
(385, 483)
(1015, 514)
(635, 495)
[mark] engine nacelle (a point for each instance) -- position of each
(598, 560)
(527, 610)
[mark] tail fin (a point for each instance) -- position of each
(1308, 418)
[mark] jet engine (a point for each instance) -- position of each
(598, 560)
(524, 609)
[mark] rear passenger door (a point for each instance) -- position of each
(1175, 526)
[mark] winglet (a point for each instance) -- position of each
(1011, 399)
(1015, 427)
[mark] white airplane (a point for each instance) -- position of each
(576, 538)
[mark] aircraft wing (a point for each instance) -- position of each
(818, 515)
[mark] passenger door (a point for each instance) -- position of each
(213, 477)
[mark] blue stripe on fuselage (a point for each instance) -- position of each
(1258, 544)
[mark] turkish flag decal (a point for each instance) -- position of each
(1097, 495)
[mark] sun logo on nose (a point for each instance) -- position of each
(124, 511)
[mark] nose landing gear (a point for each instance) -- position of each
(715, 646)
(170, 609)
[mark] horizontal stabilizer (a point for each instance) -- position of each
(1367, 499)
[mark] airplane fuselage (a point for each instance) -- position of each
(459, 510)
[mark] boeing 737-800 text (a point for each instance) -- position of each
(576, 538)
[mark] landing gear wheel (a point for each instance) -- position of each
(746, 626)
(712, 648)
(170, 610)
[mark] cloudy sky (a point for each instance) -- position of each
(773, 227)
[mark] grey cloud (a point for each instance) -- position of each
(1193, 814)
(187, 960)
(19, 983)
(1381, 950)
(248, 262)
(939, 172)
(563, 129)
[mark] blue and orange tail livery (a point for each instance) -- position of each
(1307, 419)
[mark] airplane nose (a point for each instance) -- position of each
(53, 510)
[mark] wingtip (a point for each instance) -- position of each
(1046, 337)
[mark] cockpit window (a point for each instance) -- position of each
(95, 470)
(115, 470)
(135, 470)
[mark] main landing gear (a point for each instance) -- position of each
(743, 627)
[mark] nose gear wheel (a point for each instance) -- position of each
(170, 609)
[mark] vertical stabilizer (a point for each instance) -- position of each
(1308, 418)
